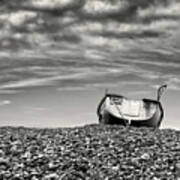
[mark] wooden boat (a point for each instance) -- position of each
(117, 109)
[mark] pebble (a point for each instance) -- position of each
(178, 166)
(1, 153)
(52, 176)
(95, 152)
(4, 162)
(34, 178)
(52, 166)
(115, 168)
(178, 169)
(156, 178)
(145, 156)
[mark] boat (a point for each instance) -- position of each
(118, 109)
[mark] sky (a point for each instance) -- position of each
(57, 57)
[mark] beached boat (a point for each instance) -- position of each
(117, 109)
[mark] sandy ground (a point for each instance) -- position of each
(92, 152)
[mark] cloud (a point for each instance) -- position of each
(32, 19)
(122, 11)
(172, 87)
(172, 81)
(20, 17)
(101, 40)
(98, 85)
(47, 6)
(5, 102)
(14, 44)
(34, 82)
(66, 37)
(92, 9)
(131, 35)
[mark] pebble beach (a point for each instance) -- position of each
(91, 152)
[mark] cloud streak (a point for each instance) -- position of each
(88, 42)
(5, 102)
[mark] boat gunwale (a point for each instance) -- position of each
(142, 99)
(120, 96)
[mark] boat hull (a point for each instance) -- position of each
(107, 117)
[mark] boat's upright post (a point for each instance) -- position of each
(160, 91)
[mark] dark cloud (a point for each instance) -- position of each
(87, 34)
(131, 35)
(147, 3)
(159, 17)
(14, 44)
(119, 15)
(73, 38)
(55, 10)
(127, 11)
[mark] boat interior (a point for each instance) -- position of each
(125, 108)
